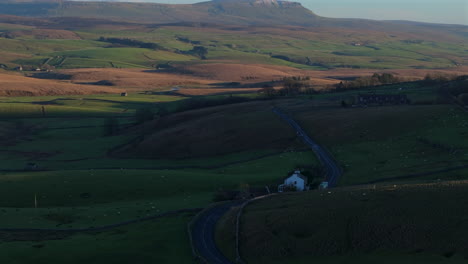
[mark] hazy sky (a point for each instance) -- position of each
(437, 11)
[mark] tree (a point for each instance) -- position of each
(199, 51)
(268, 90)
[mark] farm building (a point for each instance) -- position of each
(381, 99)
(296, 181)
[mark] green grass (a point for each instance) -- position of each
(111, 57)
(85, 186)
(331, 49)
(388, 224)
(384, 142)
(158, 241)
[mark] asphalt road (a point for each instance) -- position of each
(332, 170)
(203, 233)
(203, 230)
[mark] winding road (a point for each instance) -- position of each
(332, 170)
(203, 233)
(204, 227)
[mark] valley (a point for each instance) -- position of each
(148, 114)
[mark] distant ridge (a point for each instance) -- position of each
(243, 12)
(221, 12)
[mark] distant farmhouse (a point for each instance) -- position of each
(296, 181)
(382, 99)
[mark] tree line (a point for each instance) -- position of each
(369, 81)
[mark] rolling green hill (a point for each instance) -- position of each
(417, 224)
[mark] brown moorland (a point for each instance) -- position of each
(198, 79)
(133, 78)
(18, 85)
(45, 34)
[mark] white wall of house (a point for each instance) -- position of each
(296, 181)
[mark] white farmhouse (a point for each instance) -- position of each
(296, 181)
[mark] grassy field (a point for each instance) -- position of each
(158, 241)
(88, 176)
(376, 143)
(384, 223)
(84, 186)
(297, 47)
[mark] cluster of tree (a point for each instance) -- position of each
(291, 86)
(198, 51)
(438, 78)
(131, 43)
(187, 40)
(369, 81)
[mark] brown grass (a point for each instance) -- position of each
(134, 78)
(196, 83)
(46, 34)
(251, 73)
(18, 85)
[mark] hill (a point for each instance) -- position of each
(219, 130)
(419, 223)
(224, 12)
(234, 12)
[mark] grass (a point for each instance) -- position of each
(159, 241)
(111, 57)
(75, 193)
(393, 140)
(358, 225)
(85, 186)
(254, 45)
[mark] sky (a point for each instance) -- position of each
(434, 11)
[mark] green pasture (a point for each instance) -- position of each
(86, 186)
(158, 241)
(382, 142)
(95, 197)
(109, 57)
(401, 223)
(330, 50)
